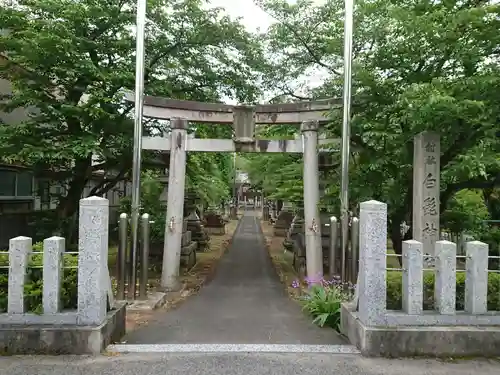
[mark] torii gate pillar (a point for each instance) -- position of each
(175, 205)
(314, 252)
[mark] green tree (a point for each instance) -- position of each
(417, 66)
(71, 61)
(209, 175)
(466, 212)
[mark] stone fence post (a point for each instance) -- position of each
(93, 261)
(19, 250)
(476, 284)
(53, 250)
(372, 258)
(413, 277)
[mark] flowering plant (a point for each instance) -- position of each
(322, 299)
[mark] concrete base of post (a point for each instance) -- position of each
(413, 341)
(64, 339)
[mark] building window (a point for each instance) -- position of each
(24, 184)
(16, 184)
(8, 183)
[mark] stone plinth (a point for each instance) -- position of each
(299, 254)
(188, 247)
(296, 227)
(188, 255)
(215, 223)
(283, 223)
(198, 233)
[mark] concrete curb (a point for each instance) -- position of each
(232, 348)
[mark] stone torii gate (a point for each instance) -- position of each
(243, 119)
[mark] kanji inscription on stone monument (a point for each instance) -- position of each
(426, 170)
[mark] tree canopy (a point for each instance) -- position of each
(417, 66)
(71, 62)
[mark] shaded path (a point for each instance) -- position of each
(244, 303)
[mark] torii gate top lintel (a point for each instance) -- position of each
(243, 119)
(220, 113)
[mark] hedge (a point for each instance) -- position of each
(33, 291)
(394, 291)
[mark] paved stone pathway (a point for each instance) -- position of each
(245, 303)
(238, 364)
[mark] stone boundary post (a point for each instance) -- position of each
(372, 271)
(93, 261)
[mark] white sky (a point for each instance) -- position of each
(252, 16)
(254, 19)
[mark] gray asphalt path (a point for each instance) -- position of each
(245, 303)
(238, 364)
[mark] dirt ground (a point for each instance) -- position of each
(281, 259)
(192, 280)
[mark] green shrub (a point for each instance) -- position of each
(33, 289)
(394, 291)
(323, 301)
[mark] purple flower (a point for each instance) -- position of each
(295, 284)
(314, 280)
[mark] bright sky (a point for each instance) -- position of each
(254, 18)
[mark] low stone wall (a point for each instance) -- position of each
(411, 331)
(64, 339)
(412, 341)
(89, 327)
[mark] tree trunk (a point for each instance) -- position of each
(67, 207)
(492, 203)
(396, 238)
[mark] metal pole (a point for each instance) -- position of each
(131, 278)
(234, 209)
(121, 257)
(143, 285)
(136, 163)
(334, 225)
(346, 128)
(354, 249)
